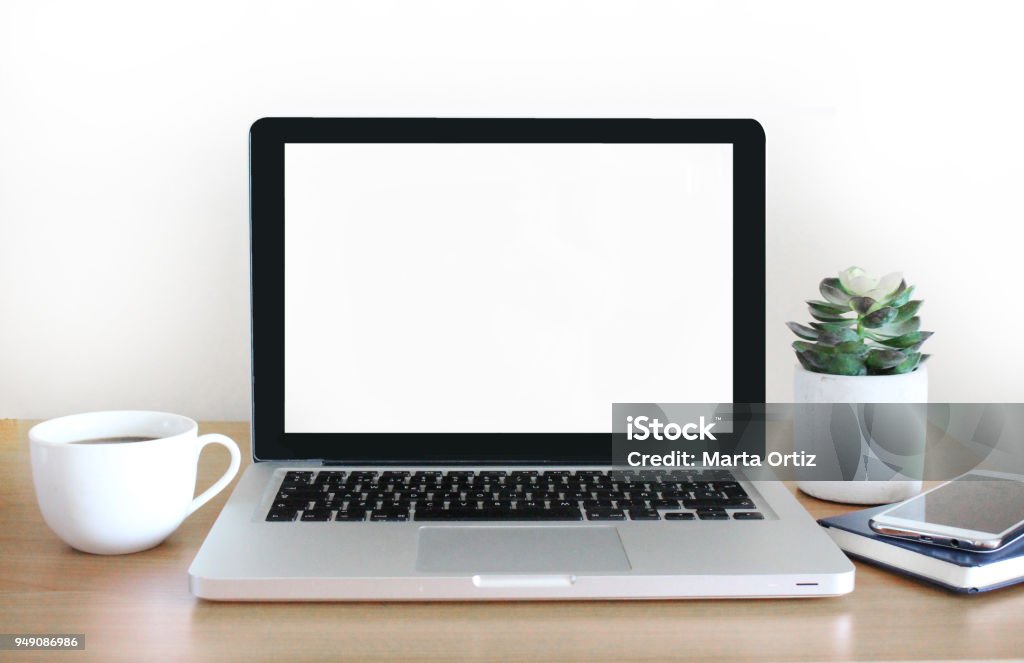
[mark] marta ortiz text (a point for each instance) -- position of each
(645, 428)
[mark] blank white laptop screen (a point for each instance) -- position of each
(503, 288)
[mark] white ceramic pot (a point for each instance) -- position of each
(812, 425)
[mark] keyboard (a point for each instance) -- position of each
(500, 495)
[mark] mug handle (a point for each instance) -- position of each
(236, 460)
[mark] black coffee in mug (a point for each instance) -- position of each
(120, 439)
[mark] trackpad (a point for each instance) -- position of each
(520, 550)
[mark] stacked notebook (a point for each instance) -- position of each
(958, 570)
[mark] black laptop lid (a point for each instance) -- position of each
(482, 290)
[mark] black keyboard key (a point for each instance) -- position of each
(716, 475)
(644, 514)
(748, 515)
(713, 515)
(282, 515)
(680, 515)
(554, 513)
(303, 489)
(606, 514)
(389, 516)
(316, 515)
(664, 504)
(498, 514)
(706, 503)
(350, 516)
(295, 502)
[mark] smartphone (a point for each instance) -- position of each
(980, 511)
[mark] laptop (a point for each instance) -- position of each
(444, 312)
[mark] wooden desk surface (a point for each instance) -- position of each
(138, 607)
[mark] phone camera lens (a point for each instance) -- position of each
(955, 543)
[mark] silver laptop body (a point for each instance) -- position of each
(436, 352)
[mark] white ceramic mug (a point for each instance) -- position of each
(116, 498)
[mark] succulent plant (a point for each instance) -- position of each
(881, 337)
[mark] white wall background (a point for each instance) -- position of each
(894, 142)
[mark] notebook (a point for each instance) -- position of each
(956, 570)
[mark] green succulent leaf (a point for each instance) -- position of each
(898, 328)
(862, 305)
(826, 308)
(803, 346)
(803, 332)
(907, 341)
(881, 317)
(908, 310)
(912, 361)
(881, 360)
(825, 317)
(855, 348)
(924, 358)
(845, 324)
(845, 364)
(836, 336)
(832, 290)
(813, 355)
(902, 295)
(805, 361)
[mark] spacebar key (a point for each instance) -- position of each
(499, 514)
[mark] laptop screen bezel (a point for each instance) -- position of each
(267, 140)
